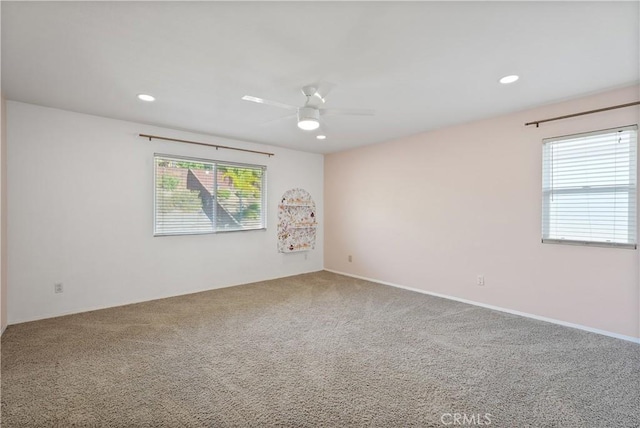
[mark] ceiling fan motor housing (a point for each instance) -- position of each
(308, 113)
(310, 91)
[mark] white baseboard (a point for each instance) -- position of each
(497, 308)
(14, 321)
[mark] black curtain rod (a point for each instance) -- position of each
(217, 146)
(538, 122)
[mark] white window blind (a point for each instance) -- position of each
(589, 188)
(194, 196)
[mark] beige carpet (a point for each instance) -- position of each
(313, 350)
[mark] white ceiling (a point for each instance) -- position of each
(420, 65)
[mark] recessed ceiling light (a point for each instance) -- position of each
(146, 97)
(321, 137)
(509, 79)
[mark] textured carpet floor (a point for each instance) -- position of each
(313, 350)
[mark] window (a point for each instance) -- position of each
(589, 188)
(194, 196)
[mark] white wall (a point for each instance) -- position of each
(434, 210)
(80, 212)
(3, 214)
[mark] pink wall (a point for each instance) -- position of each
(434, 210)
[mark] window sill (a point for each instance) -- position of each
(589, 243)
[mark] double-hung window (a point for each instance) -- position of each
(195, 196)
(589, 188)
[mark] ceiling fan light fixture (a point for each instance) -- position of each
(308, 118)
(308, 124)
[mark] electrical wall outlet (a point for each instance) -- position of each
(480, 280)
(58, 288)
(350, 258)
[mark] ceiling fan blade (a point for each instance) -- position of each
(346, 111)
(278, 119)
(323, 130)
(323, 89)
(269, 102)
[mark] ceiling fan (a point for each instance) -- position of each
(309, 114)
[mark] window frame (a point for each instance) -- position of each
(633, 190)
(215, 164)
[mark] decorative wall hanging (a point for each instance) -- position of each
(297, 222)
